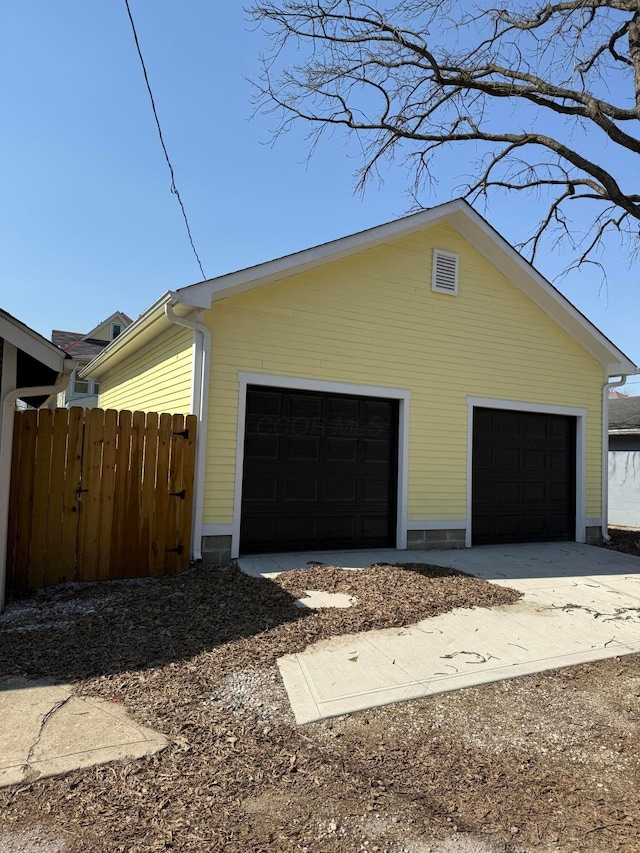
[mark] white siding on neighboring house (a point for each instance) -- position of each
(624, 488)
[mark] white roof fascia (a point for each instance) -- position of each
(461, 216)
(212, 290)
(533, 284)
(112, 353)
(31, 342)
(629, 431)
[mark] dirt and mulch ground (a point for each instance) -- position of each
(625, 539)
(545, 763)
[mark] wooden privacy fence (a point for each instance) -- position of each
(99, 495)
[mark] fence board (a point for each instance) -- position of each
(53, 543)
(162, 495)
(89, 530)
(149, 492)
(40, 504)
(106, 498)
(90, 495)
(188, 484)
(132, 520)
(120, 497)
(174, 503)
(70, 503)
(25, 498)
(12, 523)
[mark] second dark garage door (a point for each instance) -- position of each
(524, 476)
(320, 471)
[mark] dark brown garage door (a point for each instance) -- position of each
(320, 470)
(523, 477)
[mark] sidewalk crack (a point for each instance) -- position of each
(46, 718)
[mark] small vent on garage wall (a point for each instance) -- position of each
(444, 278)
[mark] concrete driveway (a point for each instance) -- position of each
(580, 604)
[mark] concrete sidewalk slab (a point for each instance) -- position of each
(47, 731)
(580, 604)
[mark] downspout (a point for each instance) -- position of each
(605, 454)
(200, 397)
(6, 446)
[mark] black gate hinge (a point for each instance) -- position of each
(184, 433)
(177, 550)
(181, 494)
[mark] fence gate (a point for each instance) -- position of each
(99, 495)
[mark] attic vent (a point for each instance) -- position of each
(444, 278)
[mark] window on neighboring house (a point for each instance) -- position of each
(80, 386)
(96, 388)
(116, 328)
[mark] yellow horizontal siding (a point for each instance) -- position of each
(372, 318)
(155, 379)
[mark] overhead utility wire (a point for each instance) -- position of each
(174, 188)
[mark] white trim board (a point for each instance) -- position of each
(217, 529)
(403, 395)
(438, 524)
(578, 412)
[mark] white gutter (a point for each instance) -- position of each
(6, 446)
(605, 454)
(200, 405)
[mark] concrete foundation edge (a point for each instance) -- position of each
(431, 539)
(216, 550)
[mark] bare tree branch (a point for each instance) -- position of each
(530, 86)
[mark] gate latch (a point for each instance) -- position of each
(79, 492)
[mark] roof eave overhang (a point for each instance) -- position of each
(31, 342)
(147, 326)
(470, 225)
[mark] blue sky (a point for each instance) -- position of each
(88, 224)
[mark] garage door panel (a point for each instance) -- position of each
(298, 489)
(263, 490)
(291, 528)
(338, 528)
(326, 476)
(533, 461)
(505, 458)
(266, 403)
(506, 524)
(302, 448)
(533, 492)
(507, 425)
(534, 524)
(341, 449)
(505, 492)
(523, 477)
(373, 529)
(341, 489)
(534, 427)
(375, 490)
(376, 450)
(304, 407)
(263, 530)
(263, 446)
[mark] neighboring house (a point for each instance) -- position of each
(624, 461)
(31, 370)
(404, 386)
(82, 348)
